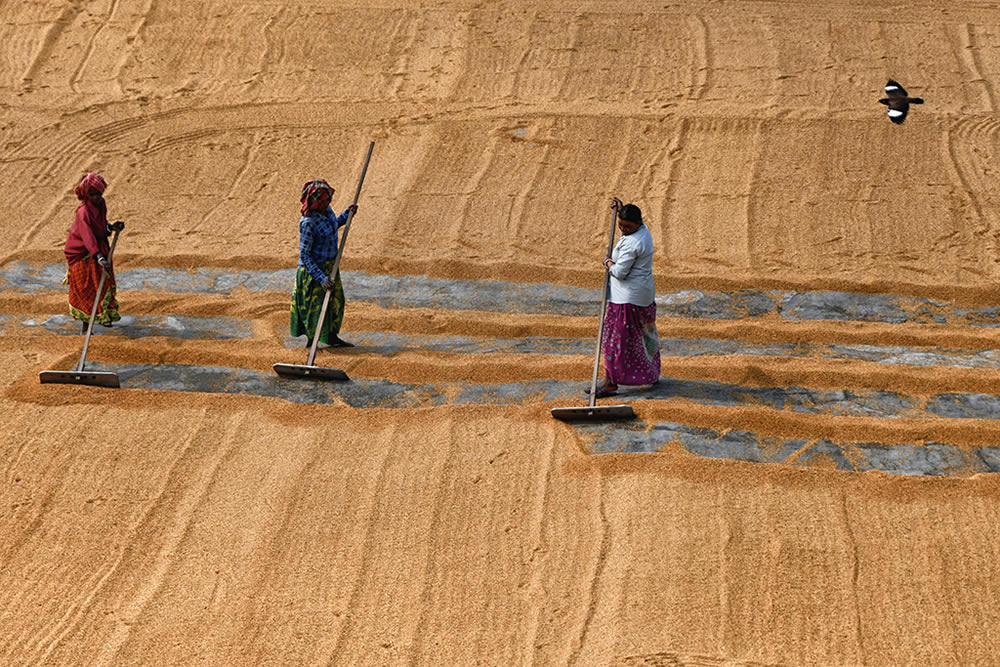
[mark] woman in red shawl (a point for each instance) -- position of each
(87, 251)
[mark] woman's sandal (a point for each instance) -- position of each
(337, 341)
(602, 392)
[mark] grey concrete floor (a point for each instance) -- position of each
(931, 458)
(372, 392)
(540, 298)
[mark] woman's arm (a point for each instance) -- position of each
(81, 225)
(627, 254)
(342, 218)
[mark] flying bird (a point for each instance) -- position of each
(898, 101)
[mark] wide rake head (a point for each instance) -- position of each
(310, 372)
(92, 378)
(595, 413)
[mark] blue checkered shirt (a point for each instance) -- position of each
(318, 240)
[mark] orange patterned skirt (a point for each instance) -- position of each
(83, 278)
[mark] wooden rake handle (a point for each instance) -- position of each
(604, 307)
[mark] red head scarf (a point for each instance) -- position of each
(316, 196)
(90, 180)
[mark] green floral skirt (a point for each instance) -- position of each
(307, 301)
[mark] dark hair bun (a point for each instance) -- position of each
(630, 213)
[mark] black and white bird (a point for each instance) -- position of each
(898, 101)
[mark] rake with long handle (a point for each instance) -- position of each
(594, 412)
(78, 375)
(309, 370)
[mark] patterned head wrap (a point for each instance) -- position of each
(316, 195)
(90, 180)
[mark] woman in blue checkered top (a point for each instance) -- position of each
(317, 251)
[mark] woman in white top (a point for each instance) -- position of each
(630, 342)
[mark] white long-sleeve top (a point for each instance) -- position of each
(632, 271)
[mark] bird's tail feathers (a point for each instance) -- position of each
(915, 100)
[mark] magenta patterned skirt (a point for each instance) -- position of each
(631, 344)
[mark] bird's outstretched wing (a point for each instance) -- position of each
(893, 89)
(897, 116)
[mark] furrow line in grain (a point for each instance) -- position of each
(116, 129)
(752, 177)
(77, 76)
(572, 49)
(266, 55)
(522, 61)
(855, 573)
(183, 139)
(435, 548)
(404, 61)
(618, 175)
(970, 45)
(676, 146)
(52, 35)
(190, 494)
(600, 562)
(140, 29)
(516, 219)
(75, 615)
(538, 543)
(725, 553)
(957, 162)
(701, 58)
(28, 533)
(247, 159)
(11, 465)
(456, 225)
(269, 579)
(333, 654)
(132, 42)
